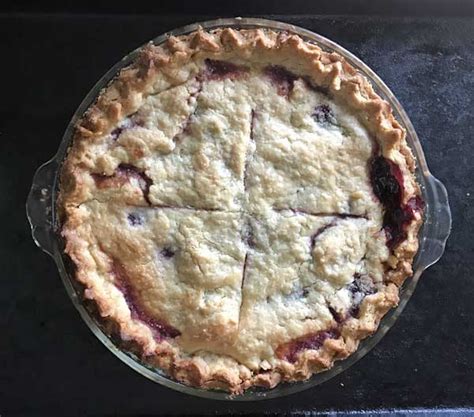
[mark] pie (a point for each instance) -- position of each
(241, 206)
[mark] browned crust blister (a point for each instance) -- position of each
(123, 96)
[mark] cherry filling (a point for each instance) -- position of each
(159, 328)
(281, 78)
(219, 70)
(324, 115)
(289, 351)
(387, 183)
(361, 287)
(123, 174)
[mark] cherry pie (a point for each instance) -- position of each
(241, 206)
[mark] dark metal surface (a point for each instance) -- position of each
(248, 7)
(50, 364)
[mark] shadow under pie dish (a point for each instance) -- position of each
(242, 206)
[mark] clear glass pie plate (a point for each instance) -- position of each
(41, 211)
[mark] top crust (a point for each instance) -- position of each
(215, 330)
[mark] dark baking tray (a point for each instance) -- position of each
(50, 364)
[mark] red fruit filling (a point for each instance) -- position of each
(123, 174)
(281, 78)
(387, 183)
(219, 70)
(359, 288)
(159, 328)
(289, 351)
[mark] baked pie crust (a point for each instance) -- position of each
(241, 206)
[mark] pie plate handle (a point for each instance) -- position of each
(40, 206)
(437, 226)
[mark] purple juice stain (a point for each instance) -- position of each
(122, 174)
(247, 235)
(116, 133)
(289, 351)
(387, 183)
(336, 316)
(324, 115)
(126, 124)
(159, 328)
(220, 70)
(135, 219)
(361, 287)
(144, 180)
(281, 78)
(167, 252)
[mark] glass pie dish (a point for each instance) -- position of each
(41, 209)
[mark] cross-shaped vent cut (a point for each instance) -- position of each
(261, 211)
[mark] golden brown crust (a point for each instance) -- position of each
(123, 96)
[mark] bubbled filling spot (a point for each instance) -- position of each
(289, 351)
(387, 183)
(159, 328)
